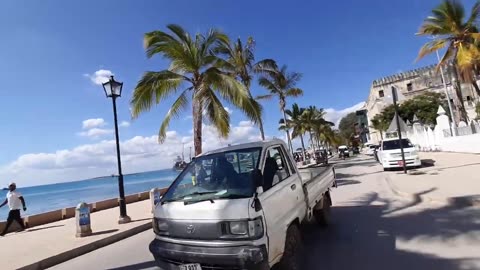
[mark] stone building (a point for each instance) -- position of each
(408, 85)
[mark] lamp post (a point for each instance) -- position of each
(399, 129)
(113, 89)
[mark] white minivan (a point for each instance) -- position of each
(390, 155)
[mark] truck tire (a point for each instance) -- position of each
(292, 254)
(323, 215)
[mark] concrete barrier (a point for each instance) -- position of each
(57, 215)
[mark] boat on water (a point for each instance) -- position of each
(180, 164)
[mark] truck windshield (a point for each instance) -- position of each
(226, 175)
(392, 145)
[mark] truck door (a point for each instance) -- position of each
(280, 199)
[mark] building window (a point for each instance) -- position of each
(409, 87)
(380, 93)
(469, 98)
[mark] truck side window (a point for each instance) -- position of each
(276, 168)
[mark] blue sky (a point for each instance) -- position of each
(50, 50)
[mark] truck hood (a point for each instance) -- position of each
(219, 210)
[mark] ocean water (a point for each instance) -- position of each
(45, 198)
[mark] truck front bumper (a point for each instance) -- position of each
(169, 256)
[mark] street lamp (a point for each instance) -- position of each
(113, 89)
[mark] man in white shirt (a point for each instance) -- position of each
(15, 202)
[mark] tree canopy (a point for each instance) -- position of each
(424, 106)
(347, 125)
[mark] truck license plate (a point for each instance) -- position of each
(191, 266)
(400, 163)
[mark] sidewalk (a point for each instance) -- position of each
(454, 178)
(52, 243)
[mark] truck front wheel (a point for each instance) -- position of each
(323, 215)
(291, 259)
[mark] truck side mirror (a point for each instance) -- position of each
(257, 178)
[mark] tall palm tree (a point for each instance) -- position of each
(296, 122)
(195, 77)
(281, 84)
(460, 37)
(314, 121)
(240, 62)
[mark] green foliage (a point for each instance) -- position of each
(347, 125)
(455, 33)
(477, 110)
(195, 75)
(424, 106)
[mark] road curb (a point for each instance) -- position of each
(79, 251)
(459, 202)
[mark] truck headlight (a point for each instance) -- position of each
(242, 229)
(160, 226)
(239, 227)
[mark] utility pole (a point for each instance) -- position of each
(448, 98)
(399, 130)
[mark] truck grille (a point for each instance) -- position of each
(204, 266)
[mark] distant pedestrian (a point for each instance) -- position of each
(15, 203)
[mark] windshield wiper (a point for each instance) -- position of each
(232, 196)
(194, 193)
(197, 201)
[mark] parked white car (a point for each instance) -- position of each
(390, 155)
(240, 207)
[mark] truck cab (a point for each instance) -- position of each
(233, 208)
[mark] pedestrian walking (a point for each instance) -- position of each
(15, 202)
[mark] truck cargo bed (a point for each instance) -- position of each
(316, 182)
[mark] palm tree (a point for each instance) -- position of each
(195, 77)
(460, 38)
(379, 124)
(240, 62)
(297, 123)
(314, 121)
(281, 84)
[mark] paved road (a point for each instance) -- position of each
(372, 230)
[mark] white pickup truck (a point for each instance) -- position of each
(240, 207)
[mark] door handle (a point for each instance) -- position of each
(293, 187)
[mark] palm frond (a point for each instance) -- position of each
(234, 92)
(178, 106)
(294, 92)
(431, 47)
(216, 113)
(269, 96)
(152, 88)
(268, 84)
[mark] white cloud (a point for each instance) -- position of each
(335, 116)
(100, 76)
(96, 159)
(124, 124)
(230, 111)
(93, 123)
(96, 133)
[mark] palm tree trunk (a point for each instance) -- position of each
(311, 141)
(459, 97)
(303, 147)
(286, 130)
(197, 127)
(475, 85)
(262, 131)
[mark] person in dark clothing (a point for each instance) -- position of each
(15, 202)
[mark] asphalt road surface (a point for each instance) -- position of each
(372, 229)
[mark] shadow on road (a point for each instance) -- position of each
(44, 228)
(104, 232)
(364, 237)
(137, 266)
(344, 182)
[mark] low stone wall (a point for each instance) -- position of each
(65, 213)
(462, 144)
